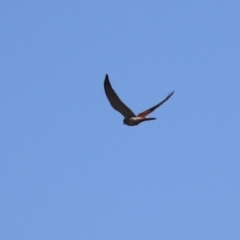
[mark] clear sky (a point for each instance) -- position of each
(70, 169)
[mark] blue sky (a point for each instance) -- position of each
(70, 169)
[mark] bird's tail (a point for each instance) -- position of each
(148, 119)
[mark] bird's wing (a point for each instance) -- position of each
(146, 112)
(115, 101)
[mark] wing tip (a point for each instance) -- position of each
(170, 94)
(106, 77)
(106, 80)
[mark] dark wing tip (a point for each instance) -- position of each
(107, 83)
(170, 94)
(106, 78)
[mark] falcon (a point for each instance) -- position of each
(130, 118)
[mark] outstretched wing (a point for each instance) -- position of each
(145, 113)
(115, 101)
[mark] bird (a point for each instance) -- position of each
(130, 118)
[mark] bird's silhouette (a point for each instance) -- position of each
(130, 118)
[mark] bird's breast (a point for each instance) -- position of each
(132, 121)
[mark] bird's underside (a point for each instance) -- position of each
(130, 118)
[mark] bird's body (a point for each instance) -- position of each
(133, 121)
(130, 118)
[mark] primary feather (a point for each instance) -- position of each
(115, 101)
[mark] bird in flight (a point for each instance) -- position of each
(130, 118)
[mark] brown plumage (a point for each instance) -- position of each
(130, 118)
